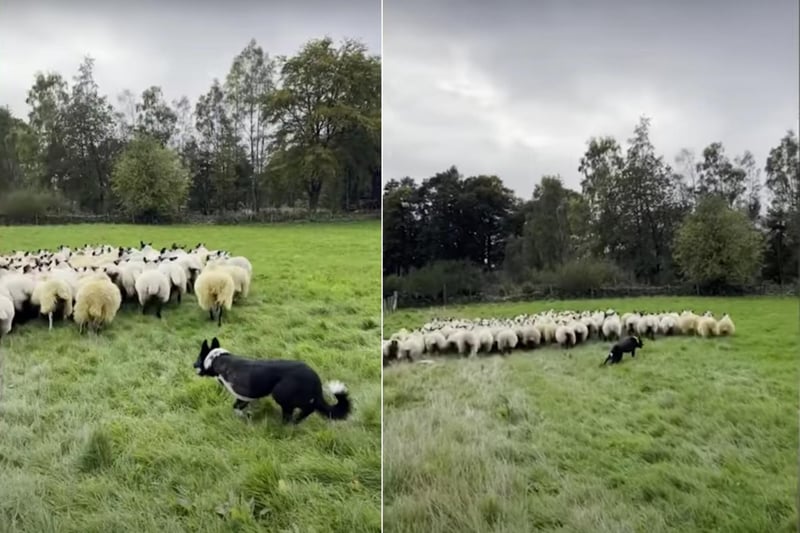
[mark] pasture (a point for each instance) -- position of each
(691, 435)
(115, 432)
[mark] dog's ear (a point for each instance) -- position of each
(214, 343)
(204, 346)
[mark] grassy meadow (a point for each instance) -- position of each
(691, 435)
(115, 432)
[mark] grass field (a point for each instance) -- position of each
(692, 435)
(116, 432)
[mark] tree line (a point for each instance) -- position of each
(302, 130)
(636, 218)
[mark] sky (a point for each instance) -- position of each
(179, 45)
(518, 91)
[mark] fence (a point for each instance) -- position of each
(264, 216)
(410, 300)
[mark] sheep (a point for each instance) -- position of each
(581, 331)
(485, 339)
(668, 325)
(725, 326)
(53, 296)
(531, 336)
(687, 322)
(239, 275)
(706, 326)
(390, 349)
(153, 286)
(6, 314)
(214, 290)
(612, 328)
(565, 335)
(176, 276)
(435, 342)
(96, 303)
(241, 261)
(462, 340)
(412, 347)
(646, 326)
(20, 289)
(506, 340)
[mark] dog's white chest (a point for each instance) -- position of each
(230, 389)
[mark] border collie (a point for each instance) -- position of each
(292, 384)
(624, 346)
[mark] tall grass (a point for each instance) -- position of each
(692, 435)
(116, 433)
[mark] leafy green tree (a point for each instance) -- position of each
(90, 142)
(401, 250)
(251, 81)
(154, 116)
(783, 213)
(150, 181)
(717, 246)
(325, 93)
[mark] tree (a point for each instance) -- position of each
(717, 246)
(154, 117)
(783, 213)
(751, 199)
(217, 136)
(717, 175)
(89, 141)
(325, 93)
(251, 81)
(400, 227)
(149, 180)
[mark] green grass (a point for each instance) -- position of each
(692, 435)
(116, 432)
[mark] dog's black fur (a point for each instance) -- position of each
(292, 384)
(627, 345)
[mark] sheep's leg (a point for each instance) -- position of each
(50, 319)
(219, 318)
(159, 304)
(179, 296)
(211, 314)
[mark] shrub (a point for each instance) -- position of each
(584, 275)
(27, 205)
(150, 181)
(717, 246)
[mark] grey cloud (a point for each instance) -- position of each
(517, 88)
(180, 46)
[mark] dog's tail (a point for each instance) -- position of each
(341, 408)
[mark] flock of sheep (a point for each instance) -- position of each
(565, 328)
(90, 283)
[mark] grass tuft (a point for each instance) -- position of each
(116, 432)
(691, 435)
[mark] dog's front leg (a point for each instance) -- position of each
(239, 407)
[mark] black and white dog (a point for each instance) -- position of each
(292, 384)
(624, 346)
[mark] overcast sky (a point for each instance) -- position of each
(180, 45)
(518, 91)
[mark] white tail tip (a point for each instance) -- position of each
(337, 387)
